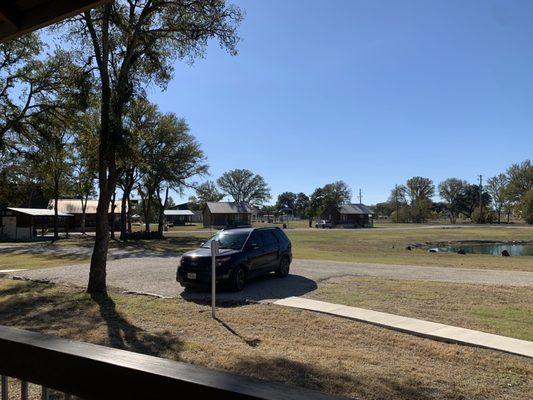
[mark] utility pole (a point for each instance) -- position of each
(397, 205)
(360, 197)
(480, 191)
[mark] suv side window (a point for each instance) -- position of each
(281, 236)
(255, 238)
(268, 238)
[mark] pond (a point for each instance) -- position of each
(518, 249)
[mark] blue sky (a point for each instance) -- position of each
(370, 92)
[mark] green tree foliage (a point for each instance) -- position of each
(453, 190)
(527, 207)
(243, 185)
(126, 46)
(286, 200)
(383, 209)
(208, 192)
(497, 187)
(172, 156)
(520, 180)
(301, 204)
(330, 195)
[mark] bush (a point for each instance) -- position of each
(527, 207)
(403, 215)
(483, 216)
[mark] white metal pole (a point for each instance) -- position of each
(214, 252)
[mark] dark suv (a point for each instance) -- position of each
(243, 253)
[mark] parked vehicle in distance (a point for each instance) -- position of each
(324, 224)
(243, 253)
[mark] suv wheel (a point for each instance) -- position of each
(238, 279)
(283, 268)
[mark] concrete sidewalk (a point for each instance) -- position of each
(431, 330)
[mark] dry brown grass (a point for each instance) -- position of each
(285, 345)
(501, 310)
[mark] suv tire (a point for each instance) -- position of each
(238, 279)
(283, 267)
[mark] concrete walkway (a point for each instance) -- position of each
(431, 330)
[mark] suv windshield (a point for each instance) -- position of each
(228, 240)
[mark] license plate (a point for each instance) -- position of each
(191, 275)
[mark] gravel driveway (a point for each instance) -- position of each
(156, 275)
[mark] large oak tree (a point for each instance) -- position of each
(129, 45)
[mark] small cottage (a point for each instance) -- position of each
(227, 214)
(350, 216)
(178, 217)
(28, 223)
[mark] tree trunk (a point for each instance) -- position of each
(123, 205)
(147, 216)
(56, 201)
(106, 158)
(84, 200)
(161, 222)
(113, 215)
(129, 213)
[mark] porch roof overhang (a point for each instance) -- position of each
(18, 17)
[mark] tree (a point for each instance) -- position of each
(471, 200)
(26, 82)
(398, 200)
(453, 190)
(207, 192)
(330, 195)
(497, 188)
(140, 121)
(520, 180)
(420, 190)
(172, 156)
(301, 204)
(527, 207)
(286, 200)
(85, 147)
(244, 186)
(50, 147)
(129, 45)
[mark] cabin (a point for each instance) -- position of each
(349, 216)
(227, 214)
(196, 216)
(28, 223)
(74, 208)
(178, 217)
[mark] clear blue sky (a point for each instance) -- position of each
(370, 92)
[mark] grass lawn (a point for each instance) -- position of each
(380, 246)
(387, 246)
(501, 310)
(285, 345)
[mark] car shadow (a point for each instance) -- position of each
(264, 288)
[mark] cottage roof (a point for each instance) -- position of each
(178, 212)
(229, 207)
(355, 209)
(38, 212)
(73, 206)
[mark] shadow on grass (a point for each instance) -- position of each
(39, 307)
(337, 382)
(124, 335)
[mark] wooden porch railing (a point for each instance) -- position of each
(90, 371)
